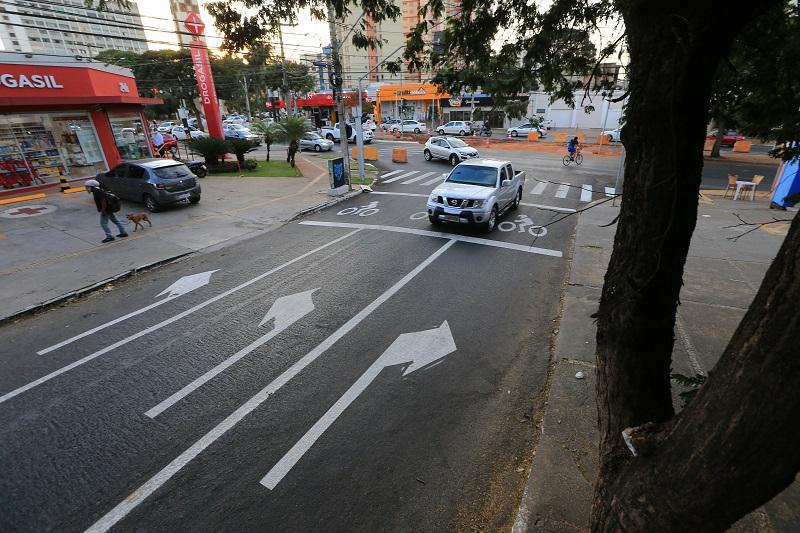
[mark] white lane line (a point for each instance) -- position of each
(539, 187)
(154, 483)
(389, 193)
(549, 207)
(151, 329)
(610, 191)
(437, 179)
(586, 193)
(392, 173)
(441, 235)
(562, 190)
(401, 176)
(418, 178)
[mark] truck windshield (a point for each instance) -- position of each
(472, 175)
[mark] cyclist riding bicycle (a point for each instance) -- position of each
(573, 147)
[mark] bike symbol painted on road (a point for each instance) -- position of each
(363, 211)
(419, 216)
(523, 222)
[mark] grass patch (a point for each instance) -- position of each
(267, 169)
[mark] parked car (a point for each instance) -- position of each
(179, 132)
(410, 126)
(153, 182)
(525, 129)
(448, 148)
(388, 124)
(455, 127)
(333, 134)
(166, 127)
(729, 139)
(477, 192)
(614, 134)
(315, 141)
(237, 131)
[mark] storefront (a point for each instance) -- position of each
(475, 107)
(67, 118)
(413, 101)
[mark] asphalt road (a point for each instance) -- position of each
(355, 370)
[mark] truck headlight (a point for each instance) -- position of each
(434, 198)
(478, 203)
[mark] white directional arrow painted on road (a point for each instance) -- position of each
(416, 350)
(183, 286)
(284, 312)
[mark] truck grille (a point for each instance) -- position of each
(458, 202)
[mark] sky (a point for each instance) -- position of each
(309, 36)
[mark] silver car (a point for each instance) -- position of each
(455, 127)
(449, 148)
(315, 141)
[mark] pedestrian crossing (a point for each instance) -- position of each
(557, 189)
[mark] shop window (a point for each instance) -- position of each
(39, 148)
(130, 135)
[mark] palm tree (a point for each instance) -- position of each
(291, 130)
(268, 131)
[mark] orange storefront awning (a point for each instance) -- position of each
(410, 91)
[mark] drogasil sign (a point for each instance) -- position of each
(34, 81)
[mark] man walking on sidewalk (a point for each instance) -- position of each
(106, 210)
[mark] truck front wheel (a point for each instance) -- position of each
(491, 222)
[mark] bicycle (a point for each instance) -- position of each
(577, 159)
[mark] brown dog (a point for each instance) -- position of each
(138, 219)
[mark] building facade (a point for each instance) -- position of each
(67, 118)
(68, 27)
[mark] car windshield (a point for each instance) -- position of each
(312, 136)
(457, 143)
(472, 175)
(173, 172)
(237, 127)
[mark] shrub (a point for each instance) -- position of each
(210, 148)
(231, 166)
(240, 147)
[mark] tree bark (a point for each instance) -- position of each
(674, 48)
(720, 135)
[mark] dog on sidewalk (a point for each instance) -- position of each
(139, 219)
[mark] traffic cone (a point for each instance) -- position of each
(63, 182)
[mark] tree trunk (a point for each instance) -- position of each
(268, 145)
(674, 49)
(720, 135)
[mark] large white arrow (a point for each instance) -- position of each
(184, 285)
(417, 350)
(285, 311)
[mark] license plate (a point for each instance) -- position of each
(451, 218)
(183, 196)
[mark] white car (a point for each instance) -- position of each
(525, 129)
(333, 134)
(477, 192)
(237, 131)
(410, 126)
(547, 124)
(389, 124)
(455, 127)
(165, 127)
(614, 134)
(179, 132)
(449, 148)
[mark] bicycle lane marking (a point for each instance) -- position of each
(176, 465)
(7, 396)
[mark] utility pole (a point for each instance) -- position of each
(246, 94)
(285, 87)
(337, 82)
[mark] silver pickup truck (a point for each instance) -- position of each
(476, 192)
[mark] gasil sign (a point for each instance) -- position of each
(34, 81)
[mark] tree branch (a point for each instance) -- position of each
(755, 226)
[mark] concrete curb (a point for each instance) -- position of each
(84, 291)
(324, 205)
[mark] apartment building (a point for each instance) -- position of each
(68, 27)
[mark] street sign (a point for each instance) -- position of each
(414, 350)
(194, 24)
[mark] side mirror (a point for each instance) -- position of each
(444, 176)
(505, 183)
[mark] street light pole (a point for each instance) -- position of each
(338, 83)
(246, 94)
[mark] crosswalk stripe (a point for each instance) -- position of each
(586, 193)
(418, 178)
(562, 190)
(392, 173)
(401, 176)
(539, 188)
(437, 179)
(610, 191)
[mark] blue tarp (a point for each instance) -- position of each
(788, 183)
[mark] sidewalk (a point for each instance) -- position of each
(721, 278)
(58, 252)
